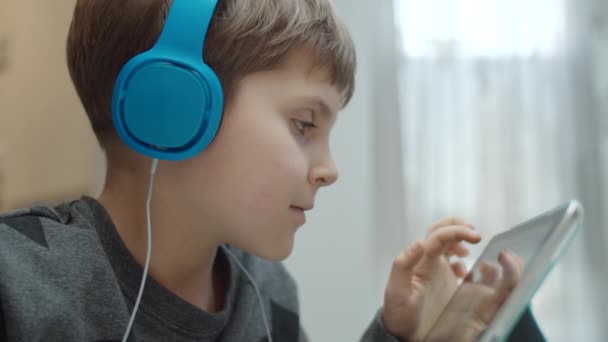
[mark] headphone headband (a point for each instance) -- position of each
(186, 26)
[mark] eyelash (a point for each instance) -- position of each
(304, 126)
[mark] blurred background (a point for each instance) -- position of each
(494, 110)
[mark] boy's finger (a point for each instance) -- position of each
(440, 240)
(459, 269)
(402, 270)
(458, 249)
(449, 221)
(512, 270)
(469, 277)
(489, 273)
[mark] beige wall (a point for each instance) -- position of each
(50, 151)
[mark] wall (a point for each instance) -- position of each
(600, 54)
(50, 151)
(600, 50)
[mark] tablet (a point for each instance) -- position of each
(491, 294)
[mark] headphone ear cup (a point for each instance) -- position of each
(164, 106)
(167, 110)
(214, 109)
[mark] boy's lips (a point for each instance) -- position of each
(303, 208)
(300, 212)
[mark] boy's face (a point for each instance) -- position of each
(267, 163)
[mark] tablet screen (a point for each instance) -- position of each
(493, 278)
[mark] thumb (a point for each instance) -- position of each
(397, 297)
(403, 267)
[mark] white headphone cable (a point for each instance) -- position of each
(148, 251)
(255, 287)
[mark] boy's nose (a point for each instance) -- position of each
(324, 174)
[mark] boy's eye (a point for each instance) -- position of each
(303, 126)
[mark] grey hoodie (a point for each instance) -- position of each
(65, 275)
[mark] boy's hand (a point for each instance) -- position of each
(422, 279)
(477, 301)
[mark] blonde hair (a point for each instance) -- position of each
(244, 37)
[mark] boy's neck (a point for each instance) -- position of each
(182, 260)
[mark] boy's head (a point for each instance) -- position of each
(283, 65)
(245, 36)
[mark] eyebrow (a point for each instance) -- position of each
(322, 106)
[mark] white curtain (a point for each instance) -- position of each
(499, 119)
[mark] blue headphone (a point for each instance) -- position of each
(167, 103)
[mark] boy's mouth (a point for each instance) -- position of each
(299, 213)
(302, 208)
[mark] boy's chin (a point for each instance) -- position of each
(276, 251)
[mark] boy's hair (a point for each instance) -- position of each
(245, 36)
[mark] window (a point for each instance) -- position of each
(486, 28)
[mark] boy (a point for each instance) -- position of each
(210, 222)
